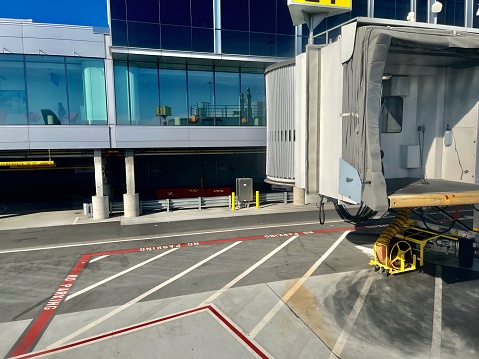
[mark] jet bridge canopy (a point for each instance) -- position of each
(379, 50)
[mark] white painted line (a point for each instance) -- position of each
(293, 290)
(343, 337)
(98, 258)
(84, 290)
(246, 272)
(137, 299)
(366, 250)
(76, 220)
(133, 239)
(437, 319)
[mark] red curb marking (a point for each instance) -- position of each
(147, 324)
(33, 332)
(28, 338)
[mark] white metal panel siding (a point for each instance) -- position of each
(280, 123)
(189, 136)
(14, 137)
(50, 39)
(74, 137)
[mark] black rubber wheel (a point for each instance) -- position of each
(387, 272)
(376, 267)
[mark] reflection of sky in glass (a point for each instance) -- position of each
(199, 84)
(255, 82)
(173, 91)
(227, 89)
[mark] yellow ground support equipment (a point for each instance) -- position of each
(400, 247)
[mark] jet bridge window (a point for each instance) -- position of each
(391, 114)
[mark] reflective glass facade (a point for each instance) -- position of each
(185, 25)
(194, 95)
(248, 27)
(51, 90)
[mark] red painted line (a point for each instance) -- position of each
(238, 333)
(36, 327)
(145, 325)
(216, 241)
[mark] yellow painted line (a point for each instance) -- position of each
(23, 164)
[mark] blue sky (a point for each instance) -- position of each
(72, 12)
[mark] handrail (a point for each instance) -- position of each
(198, 202)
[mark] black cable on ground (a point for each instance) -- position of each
(363, 214)
(476, 209)
(322, 214)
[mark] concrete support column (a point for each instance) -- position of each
(100, 203)
(131, 200)
(298, 196)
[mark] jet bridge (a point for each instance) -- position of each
(384, 117)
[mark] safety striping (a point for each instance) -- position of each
(137, 299)
(343, 337)
(29, 337)
(32, 334)
(246, 272)
(172, 235)
(296, 286)
(106, 280)
(254, 348)
(437, 319)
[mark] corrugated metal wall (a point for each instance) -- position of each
(280, 123)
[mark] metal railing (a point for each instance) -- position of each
(192, 203)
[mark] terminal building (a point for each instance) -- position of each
(170, 94)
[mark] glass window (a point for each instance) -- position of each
(421, 10)
(235, 42)
(202, 40)
(122, 93)
(285, 45)
(201, 96)
(252, 84)
(391, 114)
(227, 98)
(144, 96)
(263, 16)
(118, 9)
(144, 35)
(175, 12)
(86, 92)
(119, 35)
(452, 13)
(176, 37)
(173, 93)
(360, 8)
(284, 24)
(13, 104)
(234, 15)
(202, 13)
(262, 44)
(397, 9)
(46, 88)
(143, 10)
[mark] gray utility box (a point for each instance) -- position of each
(244, 189)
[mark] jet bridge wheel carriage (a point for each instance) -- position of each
(400, 247)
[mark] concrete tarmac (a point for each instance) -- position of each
(301, 294)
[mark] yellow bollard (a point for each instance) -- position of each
(257, 199)
(232, 201)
